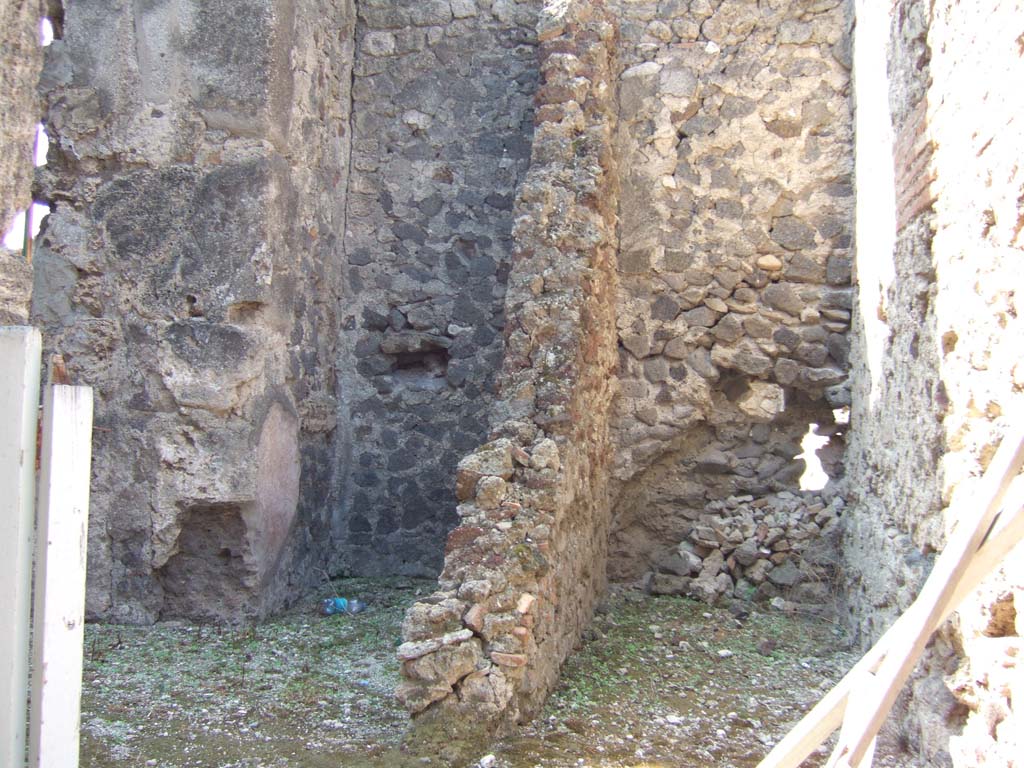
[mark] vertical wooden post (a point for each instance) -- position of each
(59, 618)
(19, 413)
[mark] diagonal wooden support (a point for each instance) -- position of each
(996, 533)
(930, 606)
(856, 715)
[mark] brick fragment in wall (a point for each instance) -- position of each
(912, 156)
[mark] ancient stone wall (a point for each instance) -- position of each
(524, 569)
(938, 376)
(189, 273)
(442, 101)
(732, 125)
(735, 294)
(20, 61)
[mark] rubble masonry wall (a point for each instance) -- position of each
(525, 568)
(728, 127)
(937, 371)
(735, 296)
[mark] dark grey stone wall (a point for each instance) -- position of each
(442, 125)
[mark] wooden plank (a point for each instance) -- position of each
(939, 589)
(59, 621)
(827, 715)
(19, 413)
(856, 715)
(1007, 533)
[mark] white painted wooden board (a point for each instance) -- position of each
(59, 620)
(19, 413)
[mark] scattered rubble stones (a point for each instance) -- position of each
(762, 547)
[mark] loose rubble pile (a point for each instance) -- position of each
(779, 548)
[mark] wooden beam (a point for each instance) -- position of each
(856, 714)
(19, 414)
(1006, 533)
(59, 620)
(930, 606)
(827, 715)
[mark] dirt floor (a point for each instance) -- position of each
(659, 682)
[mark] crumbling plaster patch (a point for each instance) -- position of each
(19, 113)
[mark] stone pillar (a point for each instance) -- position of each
(187, 274)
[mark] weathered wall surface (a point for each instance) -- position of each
(15, 287)
(939, 378)
(525, 568)
(732, 298)
(21, 59)
(189, 274)
(20, 63)
(442, 102)
(735, 294)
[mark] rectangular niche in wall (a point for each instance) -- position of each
(206, 579)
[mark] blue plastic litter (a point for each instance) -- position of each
(335, 605)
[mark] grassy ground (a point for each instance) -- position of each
(300, 690)
(669, 682)
(659, 682)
